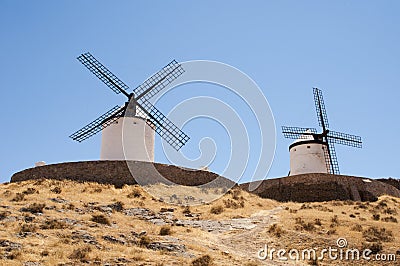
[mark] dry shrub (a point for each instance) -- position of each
(81, 254)
(34, 208)
(334, 221)
(318, 222)
(389, 219)
(357, 227)
(165, 230)
(233, 204)
(276, 230)
(14, 254)
(4, 215)
(204, 260)
(331, 231)
(305, 206)
(236, 193)
(97, 190)
(382, 204)
(144, 241)
(100, 219)
(376, 217)
(135, 193)
(27, 228)
(56, 190)
(217, 209)
(53, 224)
(390, 211)
(375, 247)
(18, 197)
(186, 210)
(30, 190)
(301, 225)
(374, 234)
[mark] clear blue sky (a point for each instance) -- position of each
(349, 49)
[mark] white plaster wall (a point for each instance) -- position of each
(307, 158)
(129, 138)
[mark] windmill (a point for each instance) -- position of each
(137, 119)
(314, 152)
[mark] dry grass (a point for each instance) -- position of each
(54, 226)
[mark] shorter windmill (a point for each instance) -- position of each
(314, 152)
(128, 131)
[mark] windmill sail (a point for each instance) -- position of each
(98, 124)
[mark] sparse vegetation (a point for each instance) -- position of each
(70, 230)
(100, 219)
(135, 193)
(375, 247)
(376, 217)
(217, 209)
(301, 225)
(34, 208)
(53, 224)
(390, 219)
(56, 190)
(27, 228)
(357, 228)
(374, 234)
(30, 190)
(80, 254)
(204, 260)
(18, 197)
(276, 230)
(144, 241)
(165, 230)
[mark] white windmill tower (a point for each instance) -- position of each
(128, 131)
(314, 152)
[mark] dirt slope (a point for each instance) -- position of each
(51, 222)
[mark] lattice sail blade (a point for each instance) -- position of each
(298, 132)
(97, 125)
(320, 108)
(163, 126)
(345, 139)
(331, 159)
(105, 75)
(159, 81)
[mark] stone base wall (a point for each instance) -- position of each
(120, 173)
(300, 188)
(322, 187)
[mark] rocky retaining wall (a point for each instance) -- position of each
(322, 187)
(120, 173)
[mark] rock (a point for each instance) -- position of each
(9, 245)
(171, 247)
(117, 206)
(59, 200)
(114, 240)
(142, 233)
(167, 210)
(85, 237)
(32, 263)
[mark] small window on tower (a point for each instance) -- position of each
(308, 147)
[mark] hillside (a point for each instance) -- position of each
(52, 222)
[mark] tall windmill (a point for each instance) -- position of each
(315, 152)
(139, 116)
